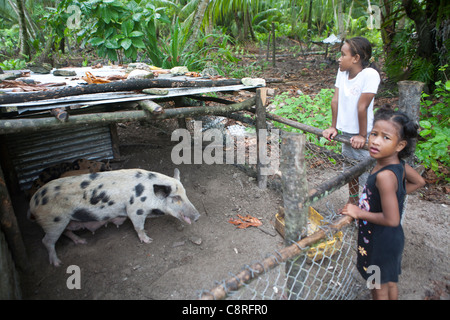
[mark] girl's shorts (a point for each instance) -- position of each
(355, 154)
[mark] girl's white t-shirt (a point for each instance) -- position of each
(366, 81)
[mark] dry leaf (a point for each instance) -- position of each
(245, 222)
(90, 78)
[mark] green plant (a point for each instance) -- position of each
(432, 149)
(13, 64)
(116, 29)
(313, 111)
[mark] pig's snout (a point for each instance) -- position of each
(189, 215)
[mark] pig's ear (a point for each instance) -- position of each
(176, 174)
(162, 191)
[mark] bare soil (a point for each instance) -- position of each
(184, 259)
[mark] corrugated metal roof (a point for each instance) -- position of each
(33, 152)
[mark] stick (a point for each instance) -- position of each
(150, 106)
(60, 114)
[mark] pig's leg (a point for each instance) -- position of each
(138, 220)
(76, 239)
(51, 236)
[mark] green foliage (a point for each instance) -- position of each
(9, 39)
(406, 48)
(312, 111)
(13, 64)
(115, 29)
(433, 148)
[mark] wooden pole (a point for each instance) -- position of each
(294, 185)
(409, 103)
(20, 125)
(409, 98)
(10, 227)
(295, 190)
(261, 129)
(340, 180)
(307, 128)
(150, 106)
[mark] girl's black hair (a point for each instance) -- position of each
(407, 128)
(362, 47)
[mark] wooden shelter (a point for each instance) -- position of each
(57, 124)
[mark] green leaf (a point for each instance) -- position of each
(424, 133)
(127, 27)
(111, 44)
(425, 124)
(138, 43)
(112, 55)
(135, 34)
(126, 43)
(105, 13)
(96, 41)
(131, 53)
(137, 17)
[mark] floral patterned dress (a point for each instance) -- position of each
(378, 245)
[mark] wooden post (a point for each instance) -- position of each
(10, 227)
(261, 128)
(409, 103)
(295, 194)
(294, 185)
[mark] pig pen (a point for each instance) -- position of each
(182, 258)
(185, 260)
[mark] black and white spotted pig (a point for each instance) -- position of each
(92, 200)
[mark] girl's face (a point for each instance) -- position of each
(347, 61)
(384, 140)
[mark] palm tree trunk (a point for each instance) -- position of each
(197, 22)
(24, 45)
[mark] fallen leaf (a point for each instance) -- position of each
(245, 222)
(90, 78)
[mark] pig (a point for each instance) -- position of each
(92, 200)
(64, 169)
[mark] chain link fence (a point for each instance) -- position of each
(321, 265)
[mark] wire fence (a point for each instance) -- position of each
(321, 264)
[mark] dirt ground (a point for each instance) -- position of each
(184, 259)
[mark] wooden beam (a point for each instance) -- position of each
(36, 124)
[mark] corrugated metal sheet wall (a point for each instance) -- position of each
(31, 153)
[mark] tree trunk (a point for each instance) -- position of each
(423, 27)
(24, 45)
(388, 27)
(197, 23)
(310, 21)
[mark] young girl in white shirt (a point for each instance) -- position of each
(352, 104)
